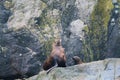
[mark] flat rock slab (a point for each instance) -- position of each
(108, 69)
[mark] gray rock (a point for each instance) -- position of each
(108, 69)
(76, 29)
(18, 56)
(20, 50)
(85, 8)
(4, 14)
(74, 18)
(28, 24)
(113, 44)
(73, 43)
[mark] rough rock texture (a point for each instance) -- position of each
(20, 48)
(108, 69)
(17, 52)
(25, 25)
(114, 32)
(74, 19)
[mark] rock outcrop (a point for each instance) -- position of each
(113, 47)
(108, 69)
(28, 27)
(20, 48)
(74, 18)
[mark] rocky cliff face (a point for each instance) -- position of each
(114, 31)
(108, 69)
(18, 54)
(73, 21)
(28, 28)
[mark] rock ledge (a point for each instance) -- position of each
(108, 69)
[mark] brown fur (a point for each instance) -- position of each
(77, 60)
(57, 56)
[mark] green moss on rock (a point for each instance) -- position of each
(48, 46)
(86, 29)
(102, 11)
(118, 0)
(8, 4)
(47, 18)
(95, 44)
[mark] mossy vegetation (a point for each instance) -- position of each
(47, 23)
(48, 46)
(48, 17)
(96, 33)
(88, 55)
(86, 29)
(8, 4)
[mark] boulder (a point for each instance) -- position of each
(108, 69)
